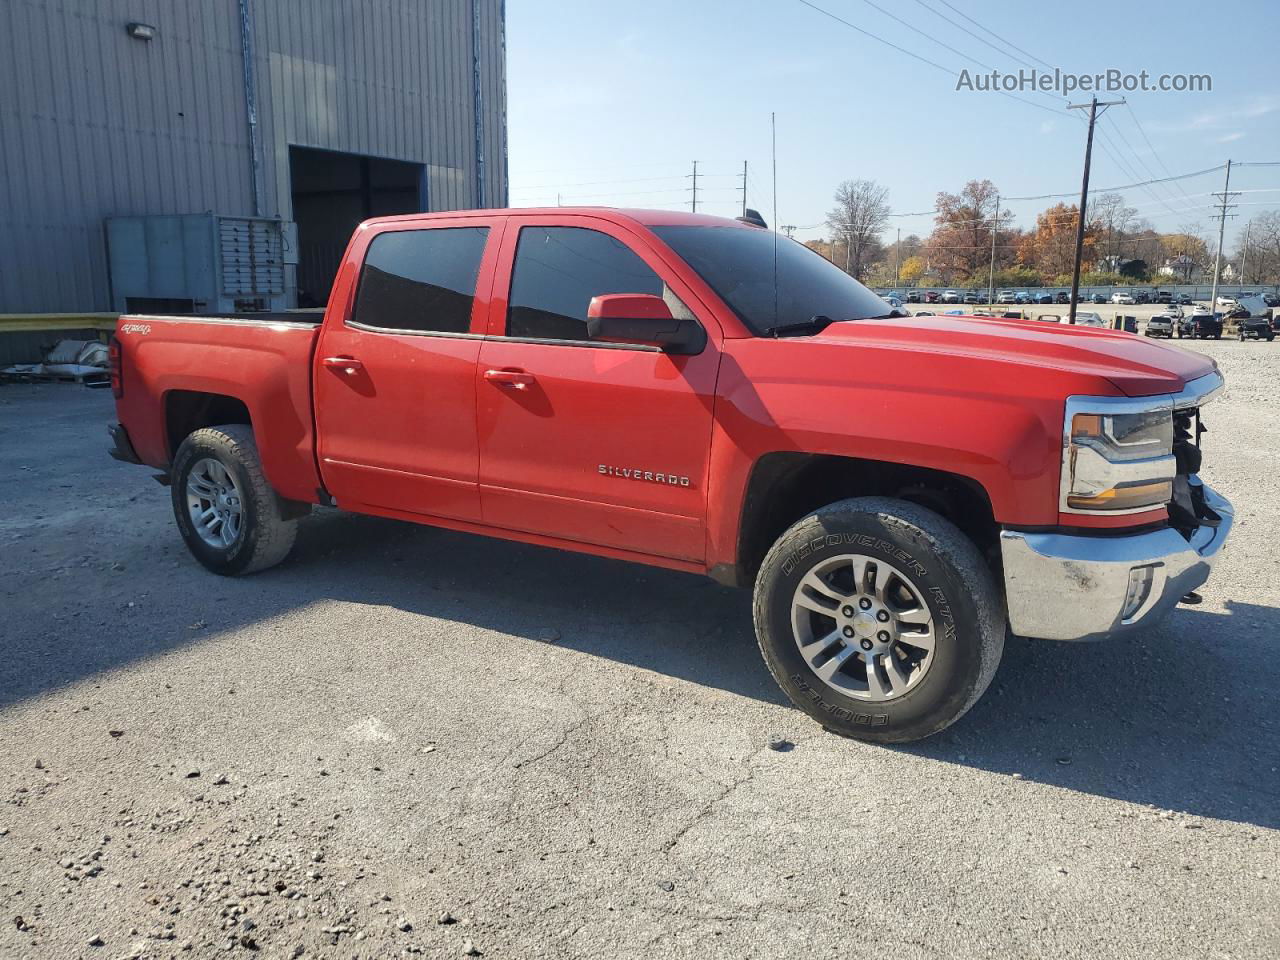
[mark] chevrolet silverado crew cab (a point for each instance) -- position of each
(700, 394)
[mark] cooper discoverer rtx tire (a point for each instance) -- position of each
(233, 522)
(879, 619)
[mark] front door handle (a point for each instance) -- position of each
(347, 365)
(515, 379)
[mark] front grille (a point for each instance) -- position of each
(1188, 509)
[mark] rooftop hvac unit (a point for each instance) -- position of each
(199, 263)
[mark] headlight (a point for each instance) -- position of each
(1118, 456)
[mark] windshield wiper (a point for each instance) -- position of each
(815, 324)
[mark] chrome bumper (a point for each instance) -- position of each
(1067, 587)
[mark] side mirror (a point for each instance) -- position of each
(642, 318)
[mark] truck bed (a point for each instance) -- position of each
(255, 367)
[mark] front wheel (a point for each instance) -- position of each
(232, 520)
(879, 619)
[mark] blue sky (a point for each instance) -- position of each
(609, 103)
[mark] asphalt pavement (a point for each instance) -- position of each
(405, 741)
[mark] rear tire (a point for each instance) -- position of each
(232, 520)
(883, 567)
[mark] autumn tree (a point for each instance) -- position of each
(1186, 248)
(960, 244)
(1111, 218)
(857, 220)
(911, 270)
(1262, 259)
(1051, 247)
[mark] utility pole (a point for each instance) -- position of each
(1225, 197)
(991, 275)
(744, 187)
(1093, 106)
(788, 228)
(1244, 256)
(695, 186)
(897, 259)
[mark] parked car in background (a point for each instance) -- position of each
(1253, 318)
(980, 296)
(1022, 296)
(1271, 300)
(1183, 299)
(1123, 298)
(1086, 318)
(1161, 325)
(1098, 298)
(1200, 325)
(931, 296)
(1062, 296)
(1226, 300)
(1005, 296)
(1142, 296)
(1256, 328)
(913, 296)
(1044, 297)
(950, 296)
(1163, 296)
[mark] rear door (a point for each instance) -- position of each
(598, 443)
(395, 374)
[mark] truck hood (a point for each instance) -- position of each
(1135, 365)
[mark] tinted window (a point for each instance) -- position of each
(557, 272)
(421, 279)
(738, 264)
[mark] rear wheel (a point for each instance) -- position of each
(879, 619)
(233, 522)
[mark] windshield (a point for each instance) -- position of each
(737, 263)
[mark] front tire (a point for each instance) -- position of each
(879, 619)
(232, 520)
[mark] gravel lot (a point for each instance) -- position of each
(407, 741)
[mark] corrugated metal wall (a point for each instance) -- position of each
(95, 123)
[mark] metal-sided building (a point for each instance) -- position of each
(313, 113)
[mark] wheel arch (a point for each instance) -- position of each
(186, 411)
(783, 487)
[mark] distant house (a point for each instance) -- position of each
(1181, 267)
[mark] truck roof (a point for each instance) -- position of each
(649, 218)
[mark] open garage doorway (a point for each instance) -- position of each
(332, 192)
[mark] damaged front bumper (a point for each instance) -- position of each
(1072, 587)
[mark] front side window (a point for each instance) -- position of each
(770, 281)
(558, 270)
(420, 280)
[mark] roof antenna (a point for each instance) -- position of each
(773, 132)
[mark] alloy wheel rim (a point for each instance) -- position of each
(863, 627)
(215, 503)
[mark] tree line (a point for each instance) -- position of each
(1119, 246)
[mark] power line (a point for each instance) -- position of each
(878, 39)
(997, 36)
(960, 26)
(917, 30)
(1159, 159)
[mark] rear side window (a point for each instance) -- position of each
(420, 280)
(558, 270)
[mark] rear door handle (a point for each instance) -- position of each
(515, 379)
(347, 365)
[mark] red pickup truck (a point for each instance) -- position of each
(696, 393)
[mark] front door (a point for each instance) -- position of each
(598, 443)
(395, 378)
